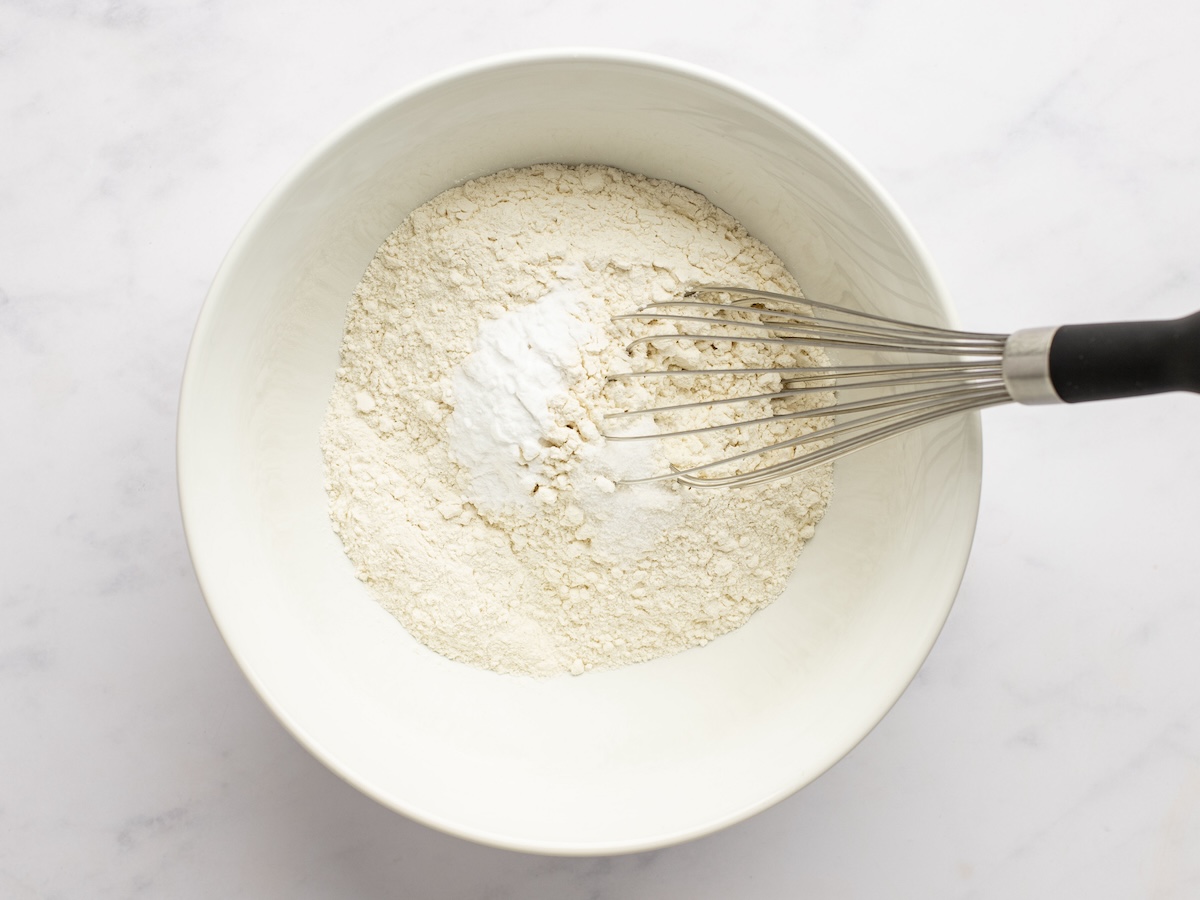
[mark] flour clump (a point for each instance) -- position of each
(467, 476)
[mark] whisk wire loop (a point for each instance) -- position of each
(846, 407)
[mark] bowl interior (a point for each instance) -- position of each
(612, 761)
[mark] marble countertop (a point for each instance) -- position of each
(1047, 153)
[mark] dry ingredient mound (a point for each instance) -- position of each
(467, 476)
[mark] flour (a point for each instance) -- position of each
(468, 479)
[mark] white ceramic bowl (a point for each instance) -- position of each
(613, 761)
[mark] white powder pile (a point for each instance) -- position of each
(467, 476)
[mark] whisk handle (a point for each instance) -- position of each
(1125, 359)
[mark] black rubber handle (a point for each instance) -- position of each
(1125, 359)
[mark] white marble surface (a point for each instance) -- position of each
(1048, 153)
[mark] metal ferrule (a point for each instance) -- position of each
(1026, 366)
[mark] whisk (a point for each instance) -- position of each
(953, 372)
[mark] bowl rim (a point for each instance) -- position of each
(203, 326)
